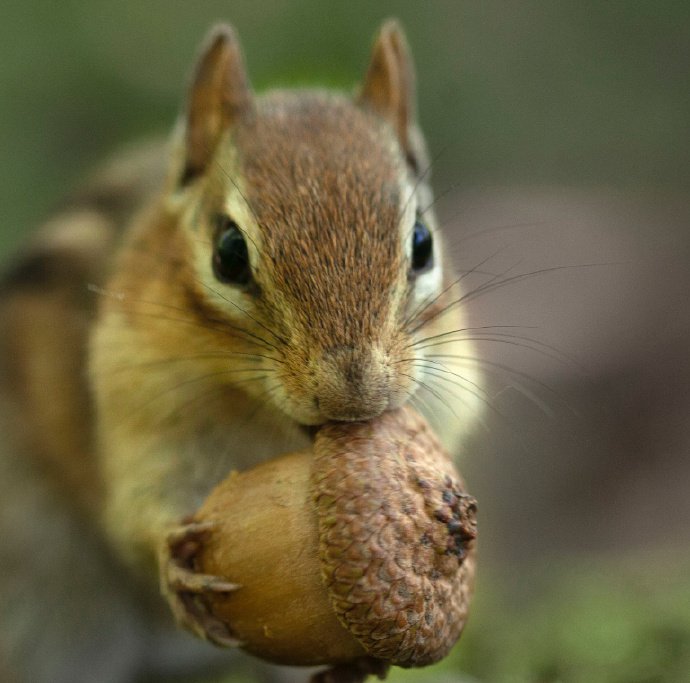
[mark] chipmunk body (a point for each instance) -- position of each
(285, 275)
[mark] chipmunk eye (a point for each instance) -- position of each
(230, 255)
(422, 248)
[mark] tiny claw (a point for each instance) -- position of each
(193, 615)
(186, 532)
(221, 586)
(220, 635)
(184, 540)
(188, 581)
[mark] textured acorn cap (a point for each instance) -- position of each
(362, 547)
(396, 532)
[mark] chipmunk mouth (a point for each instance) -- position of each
(348, 412)
(342, 384)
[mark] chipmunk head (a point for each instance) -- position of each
(306, 214)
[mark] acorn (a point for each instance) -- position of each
(360, 549)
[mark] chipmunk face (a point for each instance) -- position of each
(312, 245)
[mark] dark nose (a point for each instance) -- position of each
(353, 384)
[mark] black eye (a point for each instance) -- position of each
(230, 256)
(422, 248)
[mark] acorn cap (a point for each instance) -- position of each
(360, 547)
(396, 536)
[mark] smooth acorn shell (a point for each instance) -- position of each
(267, 540)
(362, 546)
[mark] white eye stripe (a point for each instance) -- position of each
(407, 214)
(429, 283)
(236, 206)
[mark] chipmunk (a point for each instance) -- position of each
(200, 310)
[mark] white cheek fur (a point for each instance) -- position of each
(429, 284)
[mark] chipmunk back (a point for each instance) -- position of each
(284, 270)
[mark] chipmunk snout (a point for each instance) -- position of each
(352, 384)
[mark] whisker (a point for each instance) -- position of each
(254, 339)
(476, 329)
(216, 388)
(121, 296)
(493, 278)
(222, 326)
(239, 308)
(498, 368)
(424, 306)
(181, 408)
(435, 373)
(501, 416)
(498, 276)
(486, 400)
(513, 341)
(476, 415)
(493, 286)
(219, 373)
(439, 196)
(228, 355)
(420, 179)
(201, 378)
(490, 287)
(432, 392)
(423, 406)
(488, 231)
(443, 368)
(246, 201)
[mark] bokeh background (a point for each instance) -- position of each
(561, 137)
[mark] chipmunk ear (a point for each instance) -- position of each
(389, 87)
(219, 95)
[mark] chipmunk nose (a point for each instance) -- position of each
(353, 384)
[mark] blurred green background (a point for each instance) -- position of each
(585, 93)
(554, 113)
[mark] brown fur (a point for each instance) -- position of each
(333, 209)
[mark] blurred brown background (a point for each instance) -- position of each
(562, 131)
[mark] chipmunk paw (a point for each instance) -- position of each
(184, 588)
